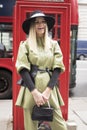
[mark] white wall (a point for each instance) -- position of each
(82, 1)
(82, 32)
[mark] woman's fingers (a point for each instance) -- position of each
(45, 98)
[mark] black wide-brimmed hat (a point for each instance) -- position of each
(49, 19)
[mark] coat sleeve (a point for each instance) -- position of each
(22, 58)
(58, 57)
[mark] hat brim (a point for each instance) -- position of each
(26, 24)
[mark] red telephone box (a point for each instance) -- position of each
(61, 32)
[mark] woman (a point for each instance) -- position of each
(43, 55)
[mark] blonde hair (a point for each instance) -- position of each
(33, 41)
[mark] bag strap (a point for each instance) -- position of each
(48, 104)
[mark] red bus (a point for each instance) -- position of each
(6, 48)
(6, 45)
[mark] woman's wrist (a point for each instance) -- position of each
(49, 89)
(34, 91)
(46, 94)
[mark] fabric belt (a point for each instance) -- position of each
(35, 69)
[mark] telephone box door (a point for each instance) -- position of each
(60, 32)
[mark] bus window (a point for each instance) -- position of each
(6, 38)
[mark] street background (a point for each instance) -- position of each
(78, 98)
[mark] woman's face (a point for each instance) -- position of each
(40, 26)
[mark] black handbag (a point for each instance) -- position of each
(42, 113)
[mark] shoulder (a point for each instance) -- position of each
(23, 42)
(54, 42)
(23, 46)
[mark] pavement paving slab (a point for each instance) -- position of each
(6, 119)
(82, 115)
(78, 112)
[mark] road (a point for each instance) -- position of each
(81, 80)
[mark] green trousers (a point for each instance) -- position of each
(58, 122)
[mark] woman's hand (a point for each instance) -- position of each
(46, 94)
(38, 97)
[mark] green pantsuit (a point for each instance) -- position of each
(51, 58)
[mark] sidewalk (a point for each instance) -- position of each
(77, 117)
(6, 119)
(78, 112)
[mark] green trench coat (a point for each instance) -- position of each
(51, 59)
